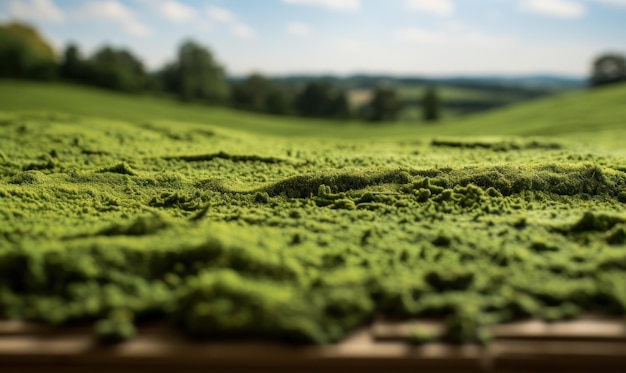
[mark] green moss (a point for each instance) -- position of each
(617, 235)
(231, 234)
(496, 144)
(142, 226)
(117, 328)
(344, 204)
(27, 177)
(120, 168)
(602, 222)
(224, 155)
(449, 279)
(420, 336)
(261, 197)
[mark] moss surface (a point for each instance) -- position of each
(230, 234)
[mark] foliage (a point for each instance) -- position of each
(608, 69)
(431, 106)
(322, 100)
(73, 67)
(384, 107)
(195, 75)
(258, 93)
(116, 69)
(251, 93)
(24, 53)
(279, 101)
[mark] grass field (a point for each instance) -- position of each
(119, 209)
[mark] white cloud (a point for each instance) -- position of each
(242, 31)
(333, 5)
(237, 28)
(348, 45)
(175, 11)
(437, 7)
(220, 14)
(298, 29)
(37, 10)
(554, 8)
(114, 12)
(479, 39)
(450, 38)
(420, 36)
(455, 25)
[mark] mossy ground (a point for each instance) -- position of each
(228, 233)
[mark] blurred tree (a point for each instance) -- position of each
(431, 105)
(608, 69)
(155, 83)
(24, 53)
(339, 106)
(279, 101)
(252, 93)
(313, 100)
(322, 100)
(384, 106)
(195, 75)
(73, 66)
(116, 69)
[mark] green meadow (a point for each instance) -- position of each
(118, 209)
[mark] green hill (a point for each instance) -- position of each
(119, 209)
(571, 115)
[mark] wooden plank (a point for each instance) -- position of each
(405, 330)
(573, 346)
(591, 329)
(150, 349)
(558, 356)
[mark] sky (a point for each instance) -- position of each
(396, 37)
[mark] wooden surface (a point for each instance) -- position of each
(533, 346)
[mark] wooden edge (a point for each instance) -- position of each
(536, 345)
(583, 329)
(553, 356)
(588, 328)
(405, 330)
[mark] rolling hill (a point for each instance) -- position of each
(569, 114)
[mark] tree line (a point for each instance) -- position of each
(196, 76)
(193, 76)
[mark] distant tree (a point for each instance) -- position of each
(608, 69)
(24, 53)
(339, 106)
(260, 94)
(313, 100)
(279, 101)
(154, 84)
(252, 93)
(195, 75)
(168, 78)
(384, 106)
(73, 66)
(116, 69)
(431, 105)
(322, 100)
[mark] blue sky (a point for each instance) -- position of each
(417, 37)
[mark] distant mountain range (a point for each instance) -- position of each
(524, 80)
(547, 81)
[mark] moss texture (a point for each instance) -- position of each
(230, 234)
